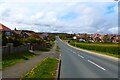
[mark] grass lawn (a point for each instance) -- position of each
(12, 59)
(46, 69)
(111, 49)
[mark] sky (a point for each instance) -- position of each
(68, 16)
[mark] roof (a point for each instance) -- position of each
(4, 28)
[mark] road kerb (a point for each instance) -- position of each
(58, 70)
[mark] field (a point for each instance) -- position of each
(106, 48)
(46, 69)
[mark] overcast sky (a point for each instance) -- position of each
(71, 16)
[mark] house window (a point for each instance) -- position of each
(7, 33)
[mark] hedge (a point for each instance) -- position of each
(110, 48)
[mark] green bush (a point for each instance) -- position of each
(47, 46)
(17, 42)
(9, 39)
(33, 40)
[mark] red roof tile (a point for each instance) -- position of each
(4, 28)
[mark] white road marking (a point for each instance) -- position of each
(60, 55)
(74, 52)
(80, 56)
(97, 65)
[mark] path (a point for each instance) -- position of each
(22, 68)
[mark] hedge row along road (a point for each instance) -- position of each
(108, 48)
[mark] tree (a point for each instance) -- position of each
(106, 38)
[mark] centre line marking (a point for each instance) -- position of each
(74, 52)
(97, 65)
(60, 55)
(80, 56)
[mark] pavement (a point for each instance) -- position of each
(20, 69)
(77, 63)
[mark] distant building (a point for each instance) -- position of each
(24, 33)
(98, 37)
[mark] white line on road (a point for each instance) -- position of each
(60, 55)
(74, 52)
(80, 56)
(97, 65)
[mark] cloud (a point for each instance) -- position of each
(78, 17)
(113, 30)
(26, 1)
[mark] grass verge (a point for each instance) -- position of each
(0, 65)
(46, 69)
(12, 59)
(102, 48)
(57, 48)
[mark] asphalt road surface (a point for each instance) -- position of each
(79, 64)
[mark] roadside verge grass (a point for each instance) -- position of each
(103, 48)
(12, 59)
(57, 48)
(46, 69)
(0, 64)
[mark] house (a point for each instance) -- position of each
(44, 36)
(36, 35)
(114, 38)
(96, 37)
(6, 31)
(24, 33)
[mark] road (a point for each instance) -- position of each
(79, 64)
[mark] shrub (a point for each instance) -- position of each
(17, 42)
